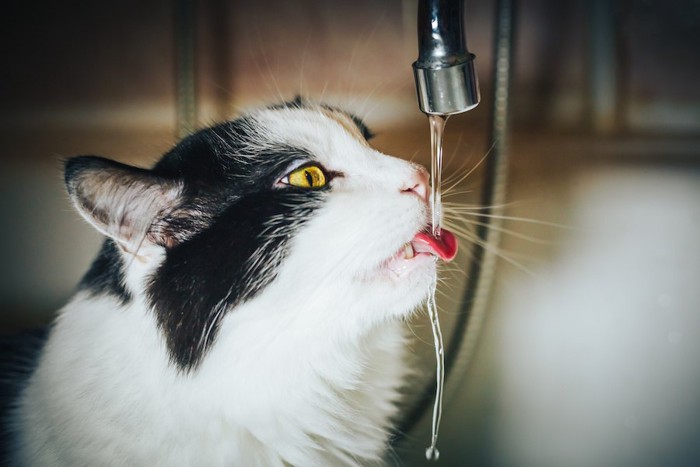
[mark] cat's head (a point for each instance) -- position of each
(287, 212)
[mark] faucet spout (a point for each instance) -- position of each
(446, 81)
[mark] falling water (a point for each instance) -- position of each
(437, 127)
(431, 453)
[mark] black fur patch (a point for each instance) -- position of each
(225, 237)
(222, 266)
(237, 251)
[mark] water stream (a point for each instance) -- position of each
(437, 127)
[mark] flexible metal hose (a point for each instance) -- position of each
(186, 105)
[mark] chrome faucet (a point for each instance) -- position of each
(445, 77)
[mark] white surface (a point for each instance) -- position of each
(599, 352)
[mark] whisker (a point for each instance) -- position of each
(265, 77)
(456, 172)
(458, 206)
(466, 175)
(303, 62)
(395, 90)
(412, 325)
(456, 193)
(469, 236)
(499, 228)
(452, 155)
(470, 212)
(415, 153)
(323, 91)
(369, 39)
(368, 96)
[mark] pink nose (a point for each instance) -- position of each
(418, 184)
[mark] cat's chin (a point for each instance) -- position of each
(406, 262)
(403, 264)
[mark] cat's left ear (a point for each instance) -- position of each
(121, 201)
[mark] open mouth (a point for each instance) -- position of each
(424, 245)
(443, 246)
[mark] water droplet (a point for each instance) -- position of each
(432, 454)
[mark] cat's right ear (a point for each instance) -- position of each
(119, 200)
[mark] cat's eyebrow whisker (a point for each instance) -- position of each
(303, 62)
(270, 74)
(364, 45)
(227, 91)
(351, 61)
(396, 90)
(362, 107)
(323, 90)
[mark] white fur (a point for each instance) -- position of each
(307, 373)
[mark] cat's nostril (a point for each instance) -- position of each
(418, 185)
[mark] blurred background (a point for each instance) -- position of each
(589, 351)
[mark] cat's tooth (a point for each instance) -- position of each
(408, 252)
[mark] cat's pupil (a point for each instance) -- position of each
(309, 177)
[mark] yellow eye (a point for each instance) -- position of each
(308, 177)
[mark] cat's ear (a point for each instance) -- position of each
(119, 200)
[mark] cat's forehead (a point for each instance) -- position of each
(326, 133)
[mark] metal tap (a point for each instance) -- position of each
(445, 78)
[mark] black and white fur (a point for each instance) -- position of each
(229, 318)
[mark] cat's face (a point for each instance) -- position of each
(286, 212)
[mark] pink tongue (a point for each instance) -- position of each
(445, 247)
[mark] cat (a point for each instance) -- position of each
(247, 306)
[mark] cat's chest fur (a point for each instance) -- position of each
(106, 381)
(246, 307)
